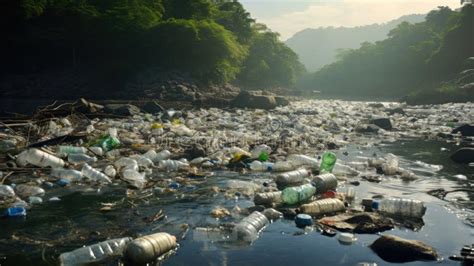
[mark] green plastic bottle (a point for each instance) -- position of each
(327, 162)
(293, 195)
(263, 157)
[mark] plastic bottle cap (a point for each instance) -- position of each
(303, 220)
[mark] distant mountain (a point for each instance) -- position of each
(318, 47)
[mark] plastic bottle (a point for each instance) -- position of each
(267, 198)
(24, 191)
(322, 206)
(148, 248)
(142, 161)
(78, 158)
(6, 193)
(72, 175)
(97, 150)
(303, 160)
(96, 253)
(94, 174)
(110, 171)
(250, 226)
(43, 159)
(325, 182)
(261, 152)
(283, 166)
(261, 166)
(328, 161)
(344, 170)
(172, 165)
(71, 150)
(390, 167)
(292, 178)
(293, 195)
(155, 157)
(134, 178)
(126, 163)
(400, 207)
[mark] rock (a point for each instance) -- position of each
(393, 111)
(122, 109)
(463, 155)
(194, 151)
(220, 212)
(396, 249)
(361, 223)
(382, 122)
(152, 107)
(367, 129)
(251, 100)
(465, 130)
(281, 101)
(376, 105)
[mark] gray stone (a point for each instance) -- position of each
(382, 122)
(465, 130)
(252, 100)
(463, 155)
(122, 109)
(367, 129)
(396, 249)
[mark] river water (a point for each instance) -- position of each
(55, 227)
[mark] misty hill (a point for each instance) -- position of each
(318, 47)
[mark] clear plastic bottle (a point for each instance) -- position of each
(24, 191)
(94, 174)
(96, 253)
(69, 174)
(126, 163)
(148, 248)
(328, 161)
(142, 161)
(258, 150)
(66, 150)
(78, 158)
(267, 198)
(303, 160)
(322, 206)
(293, 195)
(292, 178)
(134, 178)
(401, 207)
(172, 165)
(110, 171)
(325, 182)
(284, 166)
(6, 193)
(344, 170)
(261, 166)
(43, 159)
(249, 228)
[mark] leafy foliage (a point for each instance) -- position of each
(211, 40)
(414, 56)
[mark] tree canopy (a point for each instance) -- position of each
(213, 41)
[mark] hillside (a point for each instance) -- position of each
(319, 47)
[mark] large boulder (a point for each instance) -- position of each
(382, 122)
(252, 100)
(122, 109)
(465, 130)
(463, 155)
(396, 249)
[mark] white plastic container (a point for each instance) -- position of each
(96, 253)
(401, 207)
(249, 228)
(147, 248)
(94, 174)
(42, 159)
(292, 178)
(323, 206)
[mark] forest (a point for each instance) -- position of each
(214, 42)
(422, 61)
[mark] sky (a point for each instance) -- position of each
(287, 17)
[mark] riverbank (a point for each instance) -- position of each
(213, 142)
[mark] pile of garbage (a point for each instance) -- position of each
(291, 144)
